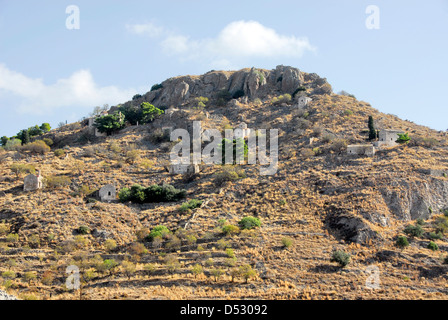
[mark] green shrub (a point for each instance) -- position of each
(48, 141)
(12, 238)
(164, 193)
(228, 173)
(230, 253)
(196, 270)
(340, 257)
(13, 145)
(20, 168)
(247, 272)
(420, 222)
(441, 224)
(83, 230)
(39, 147)
(433, 246)
(413, 231)
(55, 182)
(402, 242)
(124, 195)
(436, 236)
(110, 123)
(59, 153)
(287, 242)
(403, 138)
(249, 223)
(230, 229)
(110, 245)
(186, 207)
(9, 275)
(156, 87)
(158, 231)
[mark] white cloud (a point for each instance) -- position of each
(77, 91)
(149, 29)
(238, 40)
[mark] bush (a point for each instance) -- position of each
(55, 182)
(83, 230)
(436, 236)
(341, 257)
(59, 153)
(38, 147)
(110, 245)
(154, 193)
(433, 246)
(196, 270)
(48, 141)
(413, 231)
(158, 231)
(186, 207)
(13, 145)
(402, 242)
(249, 223)
(403, 138)
(156, 87)
(12, 238)
(228, 173)
(339, 145)
(20, 168)
(287, 242)
(230, 229)
(164, 193)
(247, 272)
(110, 123)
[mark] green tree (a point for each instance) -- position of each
(4, 140)
(239, 147)
(24, 136)
(35, 131)
(149, 112)
(249, 223)
(402, 242)
(45, 127)
(110, 123)
(403, 138)
(372, 130)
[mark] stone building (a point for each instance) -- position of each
(361, 149)
(303, 101)
(107, 193)
(32, 182)
(388, 137)
(184, 168)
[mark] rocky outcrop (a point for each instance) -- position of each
(253, 83)
(5, 296)
(410, 200)
(346, 226)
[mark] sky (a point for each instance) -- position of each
(59, 59)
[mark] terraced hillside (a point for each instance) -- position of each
(320, 200)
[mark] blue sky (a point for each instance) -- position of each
(49, 73)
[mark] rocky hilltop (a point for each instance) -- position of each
(251, 83)
(321, 199)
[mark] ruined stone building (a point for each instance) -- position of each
(32, 182)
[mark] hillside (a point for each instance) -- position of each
(321, 199)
